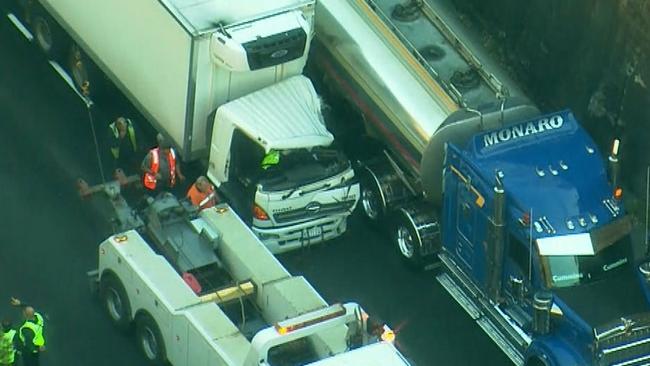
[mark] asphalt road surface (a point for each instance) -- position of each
(49, 237)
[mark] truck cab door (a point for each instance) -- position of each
(244, 171)
(465, 223)
(471, 231)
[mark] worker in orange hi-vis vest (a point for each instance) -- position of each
(161, 167)
(202, 194)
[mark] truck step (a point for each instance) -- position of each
(459, 295)
(484, 322)
(435, 266)
(510, 351)
(20, 26)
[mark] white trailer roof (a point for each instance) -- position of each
(285, 115)
(202, 15)
(377, 354)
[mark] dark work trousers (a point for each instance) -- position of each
(31, 359)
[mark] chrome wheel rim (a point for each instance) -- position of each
(114, 304)
(370, 203)
(149, 343)
(43, 34)
(405, 242)
(79, 75)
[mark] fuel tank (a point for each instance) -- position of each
(420, 76)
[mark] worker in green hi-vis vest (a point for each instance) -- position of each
(30, 334)
(271, 158)
(7, 344)
(123, 145)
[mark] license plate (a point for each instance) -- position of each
(314, 232)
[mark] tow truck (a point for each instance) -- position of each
(201, 289)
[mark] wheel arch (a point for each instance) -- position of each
(109, 273)
(144, 316)
(552, 351)
(60, 40)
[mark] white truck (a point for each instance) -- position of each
(217, 296)
(220, 80)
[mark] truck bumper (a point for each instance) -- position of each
(287, 238)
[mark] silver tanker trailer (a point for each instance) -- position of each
(415, 80)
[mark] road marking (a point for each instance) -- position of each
(19, 25)
(66, 77)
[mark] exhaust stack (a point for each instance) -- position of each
(496, 241)
(614, 165)
(542, 304)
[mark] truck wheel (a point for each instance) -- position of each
(49, 38)
(85, 75)
(116, 302)
(150, 340)
(416, 235)
(372, 199)
(407, 240)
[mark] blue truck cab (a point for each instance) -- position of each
(536, 246)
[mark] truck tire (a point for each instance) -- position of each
(407, 240)
(48, 36)
(373, 202)
(150, 340)
(416, 235)
(116, 301)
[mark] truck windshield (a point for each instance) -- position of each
(303, 166)
(613, 252)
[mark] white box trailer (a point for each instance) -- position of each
(264, 316)
(179, 61)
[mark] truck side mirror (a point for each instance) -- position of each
(542, 304)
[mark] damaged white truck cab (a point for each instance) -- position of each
(271, 152)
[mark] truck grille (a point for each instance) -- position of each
(628, 343)
(314, 211)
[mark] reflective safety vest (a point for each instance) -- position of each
(202, 200)
(130, 131)
(149, 179)
(37, 328)
(270, 159)
(7, 349)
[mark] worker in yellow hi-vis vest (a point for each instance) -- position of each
(30, 334)
(7, 344)
(123, 145)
